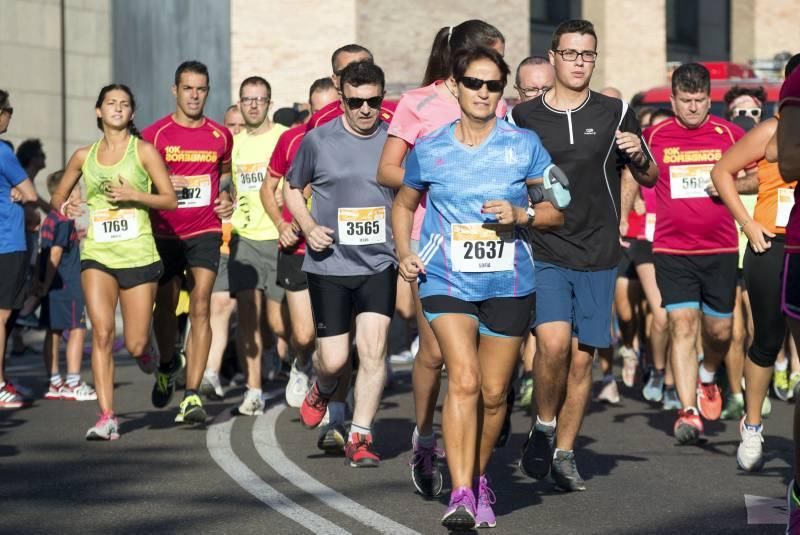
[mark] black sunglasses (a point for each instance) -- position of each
(475, 84)
(355, 103)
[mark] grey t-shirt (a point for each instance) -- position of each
(342, 169)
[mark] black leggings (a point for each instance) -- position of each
(762, 278)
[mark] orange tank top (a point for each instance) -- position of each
(227, 228)
(775, 198)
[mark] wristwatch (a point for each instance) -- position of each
(531, 215)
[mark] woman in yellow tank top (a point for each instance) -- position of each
(119, 260)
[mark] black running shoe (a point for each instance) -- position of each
(537, 453)
(565, 473)
(165, 384)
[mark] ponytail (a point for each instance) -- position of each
(133, 130)
(450, 39)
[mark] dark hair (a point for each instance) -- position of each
(450, 39)
(3, 99)
(736, 91)
(530, 60)
(362, 73)
(320, 84)
(793, 62)
(191, 66)
(580, 26)
(661, 112)
(255, 80)
(644, 110)
(28, 150)
(691, 78)
(102, 96)
(53, 180)
(349, 49)
(464, 58)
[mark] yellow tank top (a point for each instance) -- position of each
(251, 156)
(119, 235)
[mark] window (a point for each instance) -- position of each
(546, 15)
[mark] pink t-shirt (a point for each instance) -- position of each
(689, 221)
(420, 112)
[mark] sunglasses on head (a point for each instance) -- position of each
(355, 103)
(744, 112)
(475, 84)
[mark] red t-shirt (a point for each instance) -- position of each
(334, 110)
(196, 155)
(689, 221)
(790, 96)
(279, 164)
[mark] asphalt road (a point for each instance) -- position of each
(264, 475)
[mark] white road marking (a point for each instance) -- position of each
(218, 440)
(765, 510)
(266, 443)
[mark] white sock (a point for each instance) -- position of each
(426, 441)
(55, 378)
(360, 429)
(706, 377)
(551, 423)
(254, 392)
(782, 365)
(73, 379)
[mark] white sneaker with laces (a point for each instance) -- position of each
(79, 392)
(211, 387)
(298, 386)
(253, 403)
(609, 393)
(749, 454)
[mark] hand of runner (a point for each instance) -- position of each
(630, 144)
(320, 238)
(711, 190)
(16, 195)
(72, 208)
(288, 237)
(121, 191)
(223, 207)
(505, 213)
(410, 268)
(758, 236)
(623, 227)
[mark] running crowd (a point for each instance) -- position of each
(570, 227)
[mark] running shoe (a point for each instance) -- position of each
(425, 472)
(609, 393)
(749, 454)
(54, 390)
(79, 392)
(780, 384)
(460, 514)
(630, 361)
(211, 387)
(414, 346)
(484, 515)
(252, 404)
(404, 357)
(766, 407)
(654, 388)
(106, 428)
(9, 397)
(564, 472)
(709, 401)
(794, 383)
(148, 363)
(526, 393)
(164, 387)
(688, 427)
(191, 411)
(734, 408)
(360, 453)
(671, 401)
(332, 439)
(312, 411)
(298, 385)
(537, 453)
(793, 503)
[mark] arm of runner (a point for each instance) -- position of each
(546, 217)
(747, 150)
(747, 182)
(630, 189)
(318, 237)
(270, 202)
(24, 192)
(50, 271)
(642, 166)
(164, 197)
(390, 166)
(72, 173)
(506, 213)
(405, 204)
(788, 142)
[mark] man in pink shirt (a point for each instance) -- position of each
(695, 244)
(197, 152)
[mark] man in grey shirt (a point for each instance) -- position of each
(350, 259)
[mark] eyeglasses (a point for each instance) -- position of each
(355, 103)
(8, 109)
(532, 92)
(258, 100)
(744, 112)
(475, 84)
(589, 56)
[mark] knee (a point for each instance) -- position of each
(682, 328)
(199, 311)
(552, 347)
(660, 323)
(719, 333)
(303, 339)
(137, 346)
(494, 399)
(465, 384)
(102, 336)
(330, 362)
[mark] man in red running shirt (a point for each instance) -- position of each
(197, 152)
(695, 244)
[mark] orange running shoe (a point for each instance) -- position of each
(709, 400)
(688, 427)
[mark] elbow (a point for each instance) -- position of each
(172, 203)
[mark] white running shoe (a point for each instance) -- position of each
(79, 392)
(298, 386)
(630, 361)
(609, 393)
(404, 357)
(749, 455)
(253, 403)
(211, 387)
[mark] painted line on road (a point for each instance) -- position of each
(218, 440)
(266, 442)
(766, 510)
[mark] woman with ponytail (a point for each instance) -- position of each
(119, 260)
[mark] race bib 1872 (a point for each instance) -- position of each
(250, 176)
(482, 247)
(114, 225)
(362, 226)
(689, 181)
(195, 191)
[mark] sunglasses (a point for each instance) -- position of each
(355, 103)
(9, 110)
(475, 84)
(744, 112)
